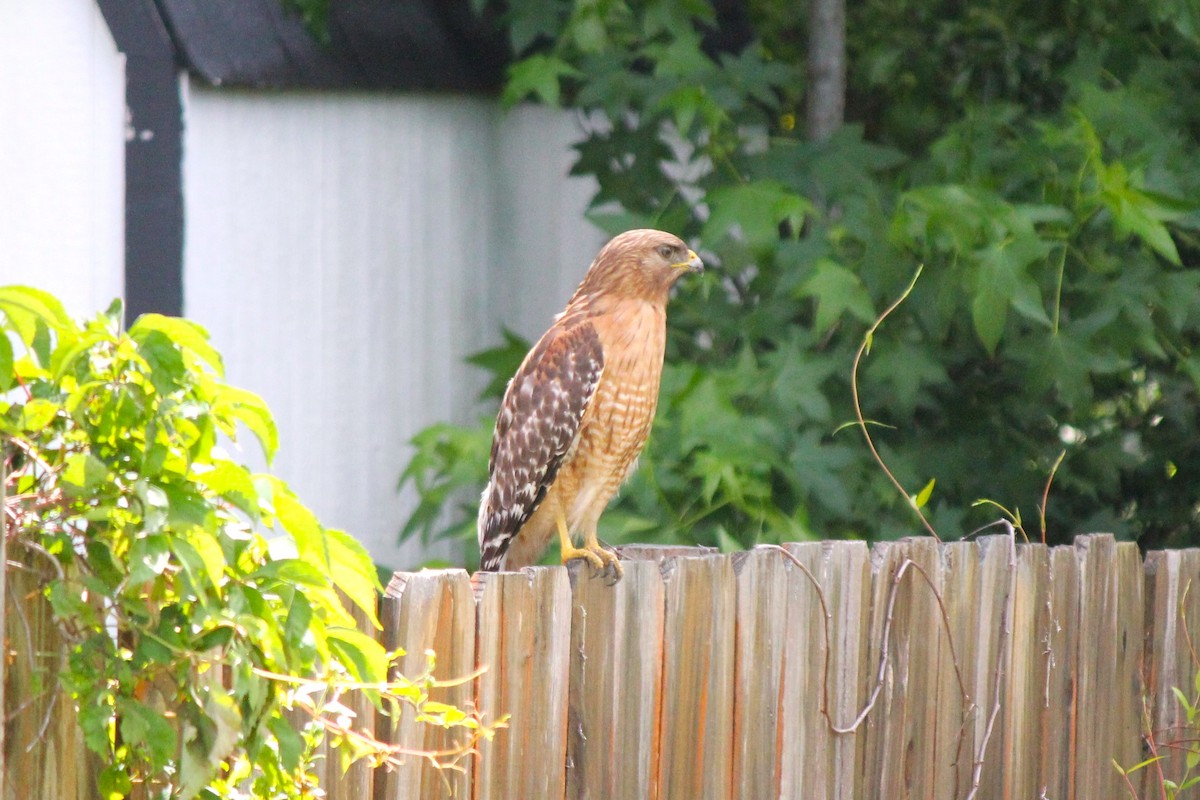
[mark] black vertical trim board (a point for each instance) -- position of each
(153, 158)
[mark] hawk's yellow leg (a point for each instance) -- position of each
(592, 550)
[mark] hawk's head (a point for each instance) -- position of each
(640, 263)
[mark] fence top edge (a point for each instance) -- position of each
(664, 554)
(401, 579)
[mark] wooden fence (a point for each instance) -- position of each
(817, 670)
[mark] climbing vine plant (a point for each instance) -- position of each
(198, 601)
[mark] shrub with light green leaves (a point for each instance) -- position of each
(198, 599)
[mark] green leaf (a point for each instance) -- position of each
(184, 333)
(354, 572)
(361, 654)
(214, 735)
(37, 414)
(836, 291)
(208, 549)
(83, 472)
(501, 362)
(538, 19)
(921, 499)
(232, 482)
(301, 523)
(1183, 701)
(539, 75)
(299, 620)
(148, 558)
(167, 369)
(904, 369)
(726, 543)
(145, 727)
(25, 307)
(296, 571)
(1027, 301)
(757, 209)
(248, 408)
(103, 565)
(114, 782)
(1135, 211)
(214, 639)
(291, 744)
(7, 376)
(989, 310)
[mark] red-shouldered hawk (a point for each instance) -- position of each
(576, 414)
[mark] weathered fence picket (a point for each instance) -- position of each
(1172, 613)
(988, 669)
(616, 683)
(44, 756)
(426, 612)
(525, 618)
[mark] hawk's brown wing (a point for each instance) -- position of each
(537, 425)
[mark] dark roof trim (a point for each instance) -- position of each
(153, 159)
(438, 45)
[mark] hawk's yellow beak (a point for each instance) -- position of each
(693, 264)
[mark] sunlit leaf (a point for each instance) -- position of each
(184, 333)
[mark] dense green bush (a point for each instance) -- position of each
(197, 600)
(1040, 161)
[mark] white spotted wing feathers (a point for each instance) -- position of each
(537, 426)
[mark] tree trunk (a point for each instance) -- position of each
(826, 67)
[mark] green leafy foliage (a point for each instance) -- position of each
(1039, 162)
(196, 598)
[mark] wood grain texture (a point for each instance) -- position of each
(815, 761)
(523, 643)
(703, 675)
(903, 754)
(762, 634)
(45, 757)
(1058, 726)
(1108, 707)
(615, 682)
(1026, 675)
(698, 668)
(432, 611)
(1172, 631)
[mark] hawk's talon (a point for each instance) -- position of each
(612, 566)
(602, 561)
(591, 556)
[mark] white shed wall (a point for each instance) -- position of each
(62, 152)
(346, 251)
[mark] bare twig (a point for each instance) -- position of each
(1183, 621)
(1151, 740)
(885, 637)
(386, 753)
(48, 714)
(1128, 783)
(1046, 492)
(858, 414)
(825, 616)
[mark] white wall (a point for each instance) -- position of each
(347, 250)
(62, 152)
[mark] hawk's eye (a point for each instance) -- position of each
(665, 251)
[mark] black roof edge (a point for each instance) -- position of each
(434, 45)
